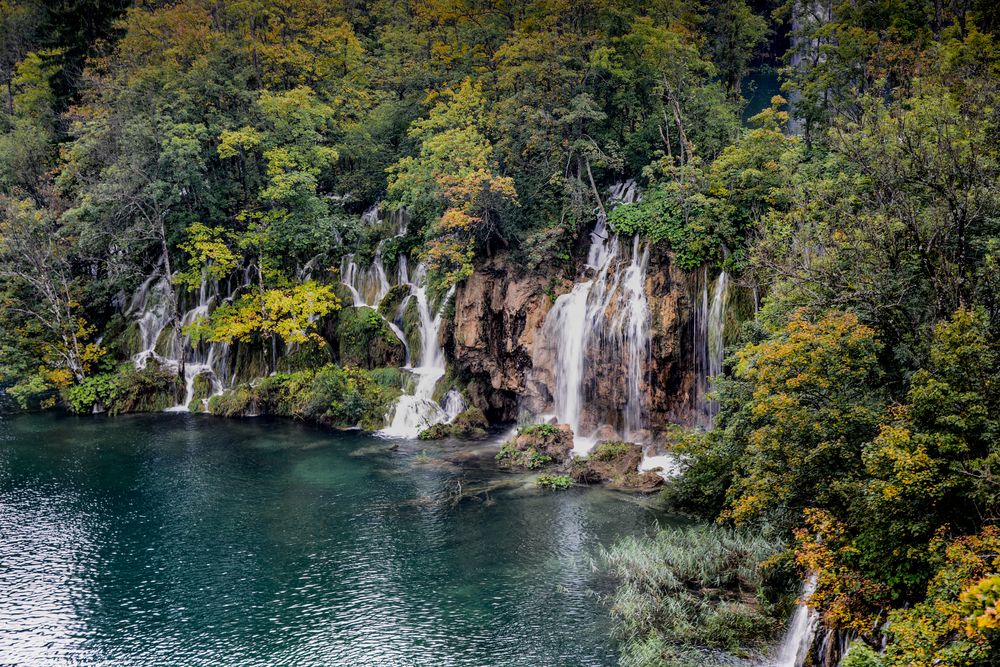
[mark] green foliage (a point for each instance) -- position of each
(938, 630)
(150, 389)
(539, 430)
(813, 401)
(554, 482)
(860, 654)
(435, 432)
(530, 458)
(609, 451)
(331, 395)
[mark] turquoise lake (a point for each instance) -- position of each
(192, 540)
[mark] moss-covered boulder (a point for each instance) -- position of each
(468, 425)
(389, 306)
(435, 432)
(203, 388)
(365, 340)
(616, 464)
(537, 446)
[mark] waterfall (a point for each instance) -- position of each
(454, 404)
(602, 323)
(150, 307)
(634, 322)
(709, 342)
(795, 647)
(416, 409)
(369, 286)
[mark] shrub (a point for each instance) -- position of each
(341, 397)
(531, 458)
(129, 389)
(554, 482)
(860, 654)
(609, 451)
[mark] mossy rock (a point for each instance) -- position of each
(471, 418)
(436, 432)
(388, 307)
(235, 402)
(365, 340)
(249, 362)
(151, 389)
(537, 445)
(410, 325)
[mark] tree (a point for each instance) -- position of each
(734, 35)
(453, 183)
(43, 293)
(814, 402)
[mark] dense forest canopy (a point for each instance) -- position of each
(860, 408)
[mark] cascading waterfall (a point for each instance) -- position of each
(709, 341)
(602, 321)
(795, 647)
(454, 404)
(369, 286)
(417, 410)
(162, 342)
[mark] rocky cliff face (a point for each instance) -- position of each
(497, 346)
(498, 313)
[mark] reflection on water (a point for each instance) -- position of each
(190, 540)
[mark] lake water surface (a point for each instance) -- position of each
(191, 540)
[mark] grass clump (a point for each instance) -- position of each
(610, 451)
(687, 592)
(554, 482)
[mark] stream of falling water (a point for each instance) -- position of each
(602, 322)
(709, 342)
(794, 647)
(151, 307)
(416, 409)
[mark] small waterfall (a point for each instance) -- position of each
(454, 404)
(369, 286)
(417, 410)
(602, 323)
(151, 309)
(150, 306)
(795, 647)
(709, 341)
(634, 322)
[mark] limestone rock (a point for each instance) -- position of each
(537, 446)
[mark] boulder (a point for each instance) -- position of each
(617, 464)
(470, 425)
(537, 446)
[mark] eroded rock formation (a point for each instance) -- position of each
(497, 346)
